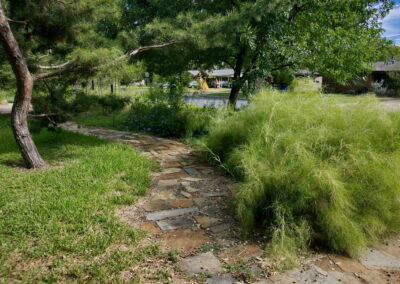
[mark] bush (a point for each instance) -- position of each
(162, 119)
(379, 89)
(112, 103)
(312, 170)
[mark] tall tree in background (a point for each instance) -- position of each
(51, 38)
(337, 38)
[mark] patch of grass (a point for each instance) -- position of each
(58, 224)
(312, 167)
(5, 96)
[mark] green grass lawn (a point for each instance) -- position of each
(59, 224)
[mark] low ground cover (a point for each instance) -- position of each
(58, 224)
(312, 171)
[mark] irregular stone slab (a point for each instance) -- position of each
(215, 194)
(171, 165)
(241, 252)
(175, 175)
(170, 182)
(311, 275)
(164, 194)
(162, 204)
(192, 179)
(186, 194)
(160, 215)
(390, 246)
(191, 189)
(220, 228)
(175, 224)
(150, 227)
(375, 259)
(181, 203)
(185, 240)
(207, 171)
(223, 279)
(171, 170)
(202, 263)
(192, 172)
(206, 222)
(200, 201)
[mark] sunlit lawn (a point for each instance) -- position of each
(59, 224)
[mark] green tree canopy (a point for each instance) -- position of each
(339, 39)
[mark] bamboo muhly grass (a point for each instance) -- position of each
(313, 166)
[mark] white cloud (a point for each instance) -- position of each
(391, 24)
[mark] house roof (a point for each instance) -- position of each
(391, 65)
(215, 73)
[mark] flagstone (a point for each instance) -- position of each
(192, 172)
(175, 224)
(174, 175)
(240, 252)
(185, 240)
(150, 227)
(168, 182)
(219, 228)
(162, 204)
(159, 215)
(206, 263)
(206, 222)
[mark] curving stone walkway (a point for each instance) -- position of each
(188, 210)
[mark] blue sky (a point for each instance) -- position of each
(391, 24)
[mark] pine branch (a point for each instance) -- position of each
(52, 67)
(98, 68)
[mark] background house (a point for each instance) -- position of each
(380, 73)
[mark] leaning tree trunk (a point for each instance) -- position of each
(237, 77)
(233, 96)
(19, 115)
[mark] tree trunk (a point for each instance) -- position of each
(92, 85)
(233, 96)
(237, 77)
(19, 115)
(112, 88)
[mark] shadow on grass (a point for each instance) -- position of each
(54, 146)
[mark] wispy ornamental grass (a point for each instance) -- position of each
(313, 170)
(59, 224)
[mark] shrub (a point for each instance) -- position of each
(113, 103)
(378, 88)
(162, 119)
(311, 169)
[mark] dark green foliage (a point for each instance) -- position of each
(393, 84)
(113, 103)
(283, 77)
(169, 89)
(336, 38)
(310, 167)
(167, 120)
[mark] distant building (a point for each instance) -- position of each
(220, 78)
(379, 72)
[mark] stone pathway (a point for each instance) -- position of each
(5, 109)
(188, 210)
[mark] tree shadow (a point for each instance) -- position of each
(54, 146)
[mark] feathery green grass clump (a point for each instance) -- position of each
(313, 169)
